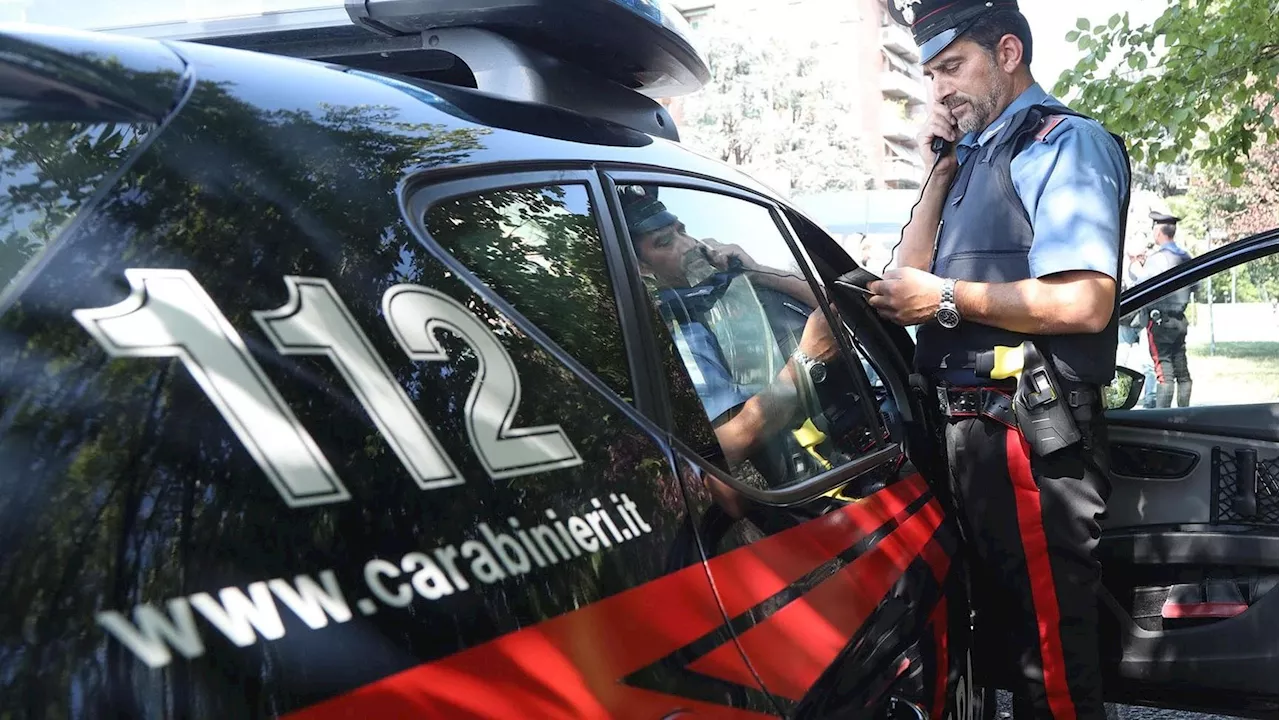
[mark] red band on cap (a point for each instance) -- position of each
(935, 12)
(948, 7)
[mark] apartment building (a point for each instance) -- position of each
(883, 69)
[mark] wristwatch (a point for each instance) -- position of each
(948, 315)
(816, 369)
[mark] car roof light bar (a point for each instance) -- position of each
(605, 58)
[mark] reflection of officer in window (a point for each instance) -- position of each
(1016, 239)
(1166, 318)
(684, 270)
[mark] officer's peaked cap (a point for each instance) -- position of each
(937, 23)
(643, 210)
(1163, 218)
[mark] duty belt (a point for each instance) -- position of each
(997, 403)
(967, 402)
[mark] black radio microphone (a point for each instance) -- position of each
(940, 146)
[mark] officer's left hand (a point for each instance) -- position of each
(906, 296)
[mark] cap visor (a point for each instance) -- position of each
(936, 44)
(657, 221)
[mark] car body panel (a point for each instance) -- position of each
(158, 560)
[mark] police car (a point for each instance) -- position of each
(393, 359)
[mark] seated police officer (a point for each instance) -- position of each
(1027, 215)
(712, 314)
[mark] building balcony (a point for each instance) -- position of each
(893, 126)
(896, 85)
(896, 39)
(902, 173)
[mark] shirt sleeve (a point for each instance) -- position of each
(711, 380)
(1072, 185)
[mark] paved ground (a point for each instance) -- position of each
(1122, 712)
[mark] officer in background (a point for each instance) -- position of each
(1166, 318)
(1016, 239)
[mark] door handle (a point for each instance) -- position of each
(1246, 500)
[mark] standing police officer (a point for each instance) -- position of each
(1016, 239)
(1167, 317)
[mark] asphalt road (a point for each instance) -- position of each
(1122, 712)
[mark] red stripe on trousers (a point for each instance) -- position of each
(939, 622)
(1043, 595)
(1155, 354)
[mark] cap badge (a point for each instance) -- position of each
(905, 7)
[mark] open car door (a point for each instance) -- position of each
(1189, 544)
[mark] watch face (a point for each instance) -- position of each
(948, 318)
(817, 373)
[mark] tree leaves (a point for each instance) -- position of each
(775, 107)
(1199, 80)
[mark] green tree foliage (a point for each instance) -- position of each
(1200, 79)
(774, 107)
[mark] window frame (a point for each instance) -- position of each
(421, 193)
(805, 490)
(1218, 260)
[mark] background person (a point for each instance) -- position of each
(1166, 319)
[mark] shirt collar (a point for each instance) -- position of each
(1034, 95)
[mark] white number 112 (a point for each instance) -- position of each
(168, 314)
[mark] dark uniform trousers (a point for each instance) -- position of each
(1032, 526)
(1168, 345)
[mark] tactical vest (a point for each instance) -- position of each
(985, 236)
(1176, 301)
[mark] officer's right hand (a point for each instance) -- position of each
(940, 123)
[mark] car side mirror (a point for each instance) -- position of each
(1124, 391)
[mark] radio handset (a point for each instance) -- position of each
(940, 147)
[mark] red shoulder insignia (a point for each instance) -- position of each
(1047, 125)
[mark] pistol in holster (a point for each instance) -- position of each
(1039, 406)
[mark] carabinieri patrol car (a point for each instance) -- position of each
(393, 359)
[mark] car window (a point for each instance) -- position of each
(1214, 343)
(540, 248)
(783, 401)
(48, 170)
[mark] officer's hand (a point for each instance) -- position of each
(940, 123)
(720, 254)
(906, 296)
(817, 341)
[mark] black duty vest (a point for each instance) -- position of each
(985, 236)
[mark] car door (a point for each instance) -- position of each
(1189, 541)
(831, 558)
(269, 446)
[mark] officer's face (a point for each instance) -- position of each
(968, 80)
(662, 254)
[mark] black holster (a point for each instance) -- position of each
(1040, 407)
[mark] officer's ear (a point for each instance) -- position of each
(1009, 53)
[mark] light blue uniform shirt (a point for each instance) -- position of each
(1071, 186)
